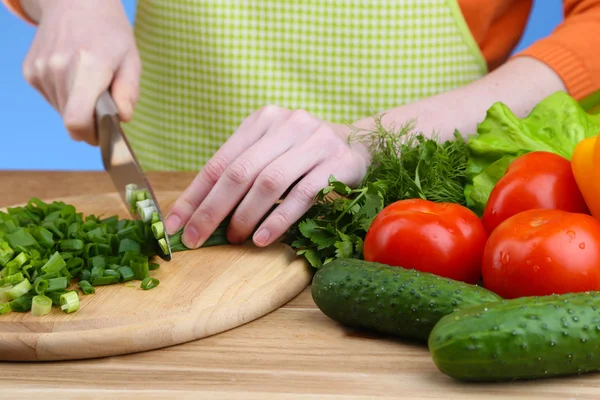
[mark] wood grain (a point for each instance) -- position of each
(295, 352)
(202, 292)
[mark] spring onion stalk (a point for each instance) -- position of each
(22, 304)
(146, 213)
(40, 305)
(163, 246)
(54, 264)
(155, 217)
(19, 289)
(69, 302)
(3, 295)
(6, 253)
(129, 192)
(4, 308)
(40, 285)
(12, 279)
(55, 284)
(86, 287)
(126, 274)
(141, 269)
(153, 266)
(149, 283)
(158, 230)
(104, 280)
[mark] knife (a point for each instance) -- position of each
(120, 162)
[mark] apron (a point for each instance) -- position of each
(208, 64)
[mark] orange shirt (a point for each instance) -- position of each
(497, 26)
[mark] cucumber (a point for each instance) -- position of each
(520, 339)
(390, 300)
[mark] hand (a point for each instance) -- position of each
(80, 48)
(271, 150)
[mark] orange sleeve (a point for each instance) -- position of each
(572, 49)
(15, 7)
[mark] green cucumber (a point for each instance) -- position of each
(525, 338)
(390, 300)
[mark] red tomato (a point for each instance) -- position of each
(445, 239)
(538, 180)
(542, 252)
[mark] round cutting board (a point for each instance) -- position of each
(201, 293)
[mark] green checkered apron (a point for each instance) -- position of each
(208, 64)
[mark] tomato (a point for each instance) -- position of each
(445, 239)
(534, 180)
(542, 252)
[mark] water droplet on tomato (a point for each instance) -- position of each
(548, 260)
(504, 258)
(536, 268)
(582, 245)
(571, 234)
(529, 262)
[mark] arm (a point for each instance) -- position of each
(520, 83)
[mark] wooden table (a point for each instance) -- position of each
(295, 352)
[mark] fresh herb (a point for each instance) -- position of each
(404, 165)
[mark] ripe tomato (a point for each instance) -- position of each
(445, 239)
(534, 180)
(542, 252)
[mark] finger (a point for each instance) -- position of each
(249, 132)
(271, 184)
(239, 177)
(57, 71)
(299, 201)
(89, 79)
(37, 75)
(125, 88)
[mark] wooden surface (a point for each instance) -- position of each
(293, 353)
(201, 293)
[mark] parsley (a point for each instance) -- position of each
(404, 165)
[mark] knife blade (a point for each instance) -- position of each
(119, 159)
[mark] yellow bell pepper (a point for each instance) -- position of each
(585, 164)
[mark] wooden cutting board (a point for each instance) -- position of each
(201, 293)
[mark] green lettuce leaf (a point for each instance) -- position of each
(556, 125)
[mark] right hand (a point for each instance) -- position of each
(81, 48)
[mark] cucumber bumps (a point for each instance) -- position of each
(391, 300)
(525, 338)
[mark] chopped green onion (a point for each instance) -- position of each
(69, 302)
(40, 305)
(43, 236)
(153, 266)
(54, 264)
(18, 261)
(155, 217)
(19, 289)
(126, 273)
(55, 296)
(140, 269)
(146, 213)
(4, 296)
(4, 308)
(114, 274)
(104, 280)
(158, 230)
(85, 274)
(55, 284)
(71, 244)
(149, 283)
(6, 253)
(12, 279)
(86, 288)
(164, 246)
(129, 192)
(40, 285)
(22, 304)
(129, 245)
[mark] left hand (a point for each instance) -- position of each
(271, 150)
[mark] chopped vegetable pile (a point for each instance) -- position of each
(43, 247)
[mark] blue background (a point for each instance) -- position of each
(33, 136)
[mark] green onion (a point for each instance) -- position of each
(55, 296)
(4, 308)
(163, 245)
(126, 273)
(85, 274)
(40, 305)
(55, 284)
(4, 296)
(40, 285)
(129, 245)
(114, 274)
(22, 304)
(158, 230)
(19, 289)
(86, 288)
(12, 279)
(18, 261)
(69, 302)
(43, 236)
(155, 217)
(153, 266)
(104, 280)
(140, 269)
(6, 253)
(54, 264)
(149, 283)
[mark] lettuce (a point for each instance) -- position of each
(556, 124)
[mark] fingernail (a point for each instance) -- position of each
(262, 236)
(190, 237)
(172, 224)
